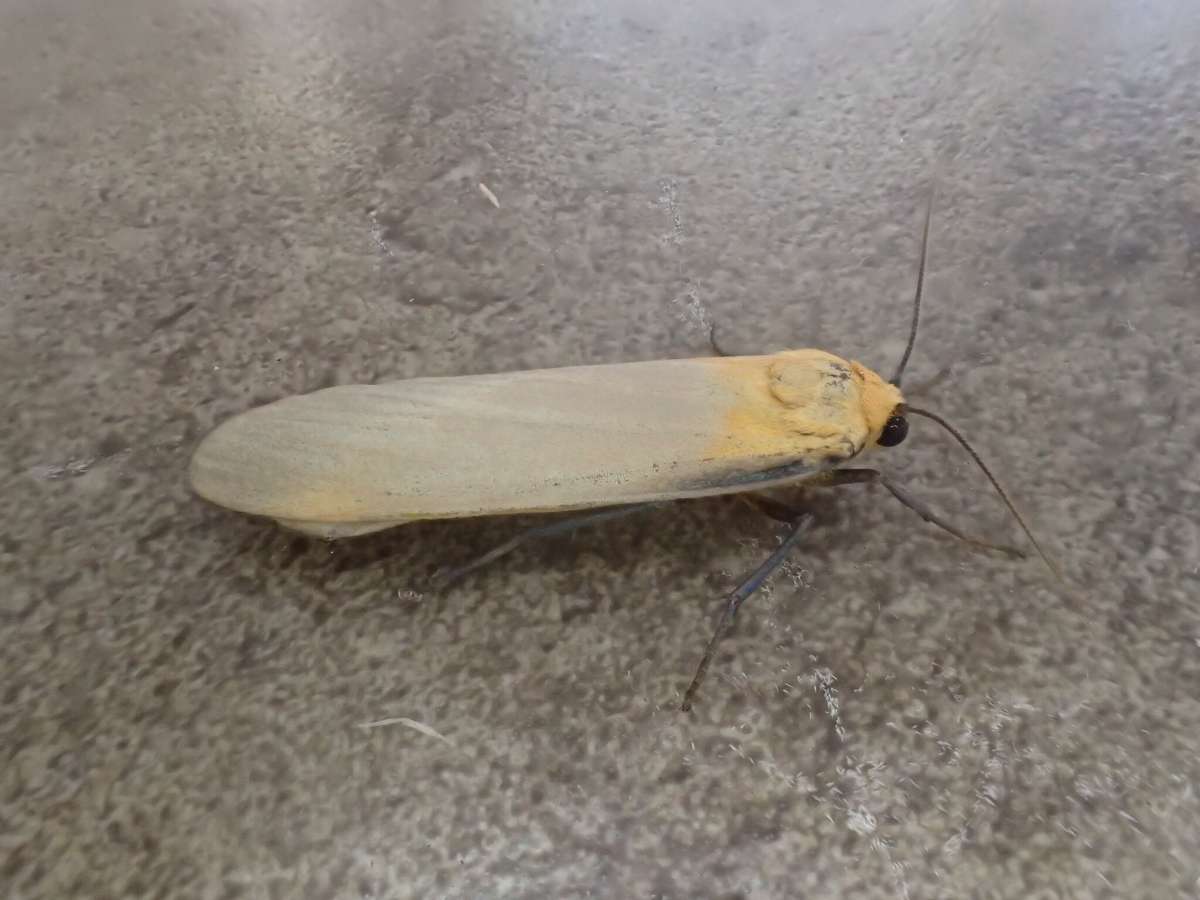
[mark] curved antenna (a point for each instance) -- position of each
(996, 484)
(916, 317)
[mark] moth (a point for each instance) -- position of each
(609, 439)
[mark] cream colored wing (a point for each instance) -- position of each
(359, 458)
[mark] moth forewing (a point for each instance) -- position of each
(354, 459)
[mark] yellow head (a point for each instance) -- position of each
(834, 407)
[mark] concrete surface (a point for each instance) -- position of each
(210, 205)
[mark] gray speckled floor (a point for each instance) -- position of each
(210, 205)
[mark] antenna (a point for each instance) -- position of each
(996, 484)
(916, 317)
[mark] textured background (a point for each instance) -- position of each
(207, 205)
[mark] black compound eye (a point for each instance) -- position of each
(895, 431)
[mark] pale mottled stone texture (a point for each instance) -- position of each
(208, 205)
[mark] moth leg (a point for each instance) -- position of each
(739, 595)
(837, 477)
(772, 508)
(563, 526)
(712, 342)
